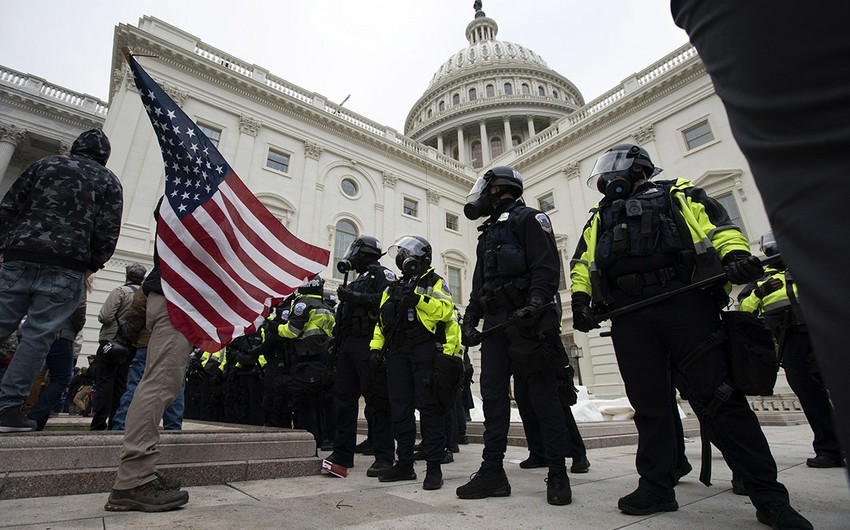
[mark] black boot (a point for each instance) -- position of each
(532, 462)
(486, 482)
(558, 488)
(433, 477)
(379, 468)
(402, 470)
(580, 464)
(781, 515)
(644, 502)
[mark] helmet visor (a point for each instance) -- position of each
(477, 188)
(610, 162)
(408, 244)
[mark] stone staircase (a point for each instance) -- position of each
(50, 463)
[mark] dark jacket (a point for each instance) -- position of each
(64, 210)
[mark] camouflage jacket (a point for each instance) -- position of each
(64, 210)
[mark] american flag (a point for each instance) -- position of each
(224, 258)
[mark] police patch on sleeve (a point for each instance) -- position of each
(299, 308)
(390, 275)
(545, 224)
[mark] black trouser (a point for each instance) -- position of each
(763, 77)
(276, 399)
(798, 360)
(542, 390)
(110, 382)
(460, 415)
(531, 427)
(409, 371)
(249, 407)
(649, 343)
(353, 378)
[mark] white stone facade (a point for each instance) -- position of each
(345, 173)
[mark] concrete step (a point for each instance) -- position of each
(73, 462)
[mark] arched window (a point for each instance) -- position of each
(429, 113)
(525, 90)
(346, 233)
(455, 153)
(491, 91)
(509, 89)
(515, 141)
(442, 106)
(473, 94)
(541, 91)
(456, 99)
(477, 161)
(495, 146)
(555, 94)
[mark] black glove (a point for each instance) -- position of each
(771, 285)
(377, 360)
(527, 310)
(470, 336)
(409, 300)
(583, 319)
(347, 295)
(742, 267)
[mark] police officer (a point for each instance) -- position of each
(308, 331)
(775, 299)
(245, 380)
(516, 274)
(356, 317)
(277, 402)
(643, 239)
(416, 336)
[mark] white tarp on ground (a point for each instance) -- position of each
(585, 409)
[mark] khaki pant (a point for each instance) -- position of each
(168, 352)
(82, 399)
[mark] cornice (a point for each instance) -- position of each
(43, 108)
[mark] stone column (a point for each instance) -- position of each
(10, 137)
(508, 144)
(461, 146)
(485, 143)
(531, 131)
(440, 144)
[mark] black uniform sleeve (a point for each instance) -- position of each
(541, 255)
(474, 306)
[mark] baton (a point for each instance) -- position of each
(514, 320)
(675, 292)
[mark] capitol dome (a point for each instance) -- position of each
(494, 90)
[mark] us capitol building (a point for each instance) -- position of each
(331, 175)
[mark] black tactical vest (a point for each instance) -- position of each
(504, 252)
(641, 226)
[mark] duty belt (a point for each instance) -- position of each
(633, 284)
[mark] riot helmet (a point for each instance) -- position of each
(480, 201)
(314, 286)
(616, 171)
(412, 255)
(363, 251)
(768, 245)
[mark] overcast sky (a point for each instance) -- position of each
(382, 53)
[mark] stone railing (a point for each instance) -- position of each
(54, 93)
(656, 71)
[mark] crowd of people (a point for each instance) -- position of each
(657, 258)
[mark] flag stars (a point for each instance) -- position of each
(171, 114)
(157, 111)
(191, 133)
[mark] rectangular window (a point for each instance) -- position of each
(278, 161)
(546, 202)
(411, 207)
(452, 222)
(731, 207)
(698, 135)
(212, 133)
(453, 279)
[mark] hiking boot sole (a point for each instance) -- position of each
(556, 501)
(671, 506)
(436, 486)
(501, 492)
(127, 505)
(4, 428)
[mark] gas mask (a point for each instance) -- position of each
(618, 185)
(482, 206)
